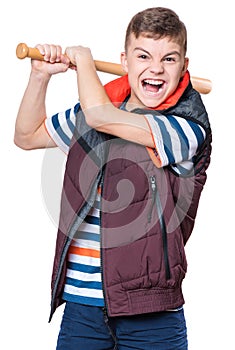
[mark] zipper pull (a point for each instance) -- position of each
(153, 187)
(153, 183)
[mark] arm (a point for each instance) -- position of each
(100, 113)
(30, 132)
(171, 140)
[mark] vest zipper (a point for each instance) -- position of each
(101, 244)
(156, 201)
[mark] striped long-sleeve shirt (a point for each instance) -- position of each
(177, 142)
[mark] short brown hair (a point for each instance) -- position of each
(156, 23)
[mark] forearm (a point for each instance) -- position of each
(30, 132)
(91, 92)
(99, 111)
(32, 110)
(102, 115)
(92, 95)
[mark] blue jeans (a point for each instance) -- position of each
(89, 328)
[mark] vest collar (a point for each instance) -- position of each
(119, 89)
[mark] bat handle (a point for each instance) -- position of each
(23, 51)
(203, 86)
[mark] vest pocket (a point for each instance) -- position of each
(156, 202)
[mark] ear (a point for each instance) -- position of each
(124, 62)
(185, 67)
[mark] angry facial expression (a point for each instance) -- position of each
(154, 69)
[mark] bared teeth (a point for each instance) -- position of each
(153, 82)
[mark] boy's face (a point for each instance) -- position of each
(154, 69)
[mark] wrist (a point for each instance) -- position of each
(85, 65)
(38, 81)
(40, 76)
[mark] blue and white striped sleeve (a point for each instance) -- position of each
(61, 126)
(177, 140)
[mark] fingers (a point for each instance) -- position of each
(52, 53)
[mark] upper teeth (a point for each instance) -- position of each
(153, 82)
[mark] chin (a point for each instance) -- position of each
(152, 104)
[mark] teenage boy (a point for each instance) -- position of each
(138, 150)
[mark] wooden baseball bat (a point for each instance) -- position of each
(202, 85)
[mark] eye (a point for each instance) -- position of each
(143, 56)
(170, 59)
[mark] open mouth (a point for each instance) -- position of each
(153, 86)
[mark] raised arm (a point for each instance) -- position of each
(30, 132)
(100, 113)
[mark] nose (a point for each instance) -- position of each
(156, 67)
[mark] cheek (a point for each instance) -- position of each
(174, 85)
(132, 79)
(175, 77)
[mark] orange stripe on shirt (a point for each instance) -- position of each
(84, 251)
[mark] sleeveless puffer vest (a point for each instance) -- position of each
(147, 214)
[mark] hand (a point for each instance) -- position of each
(54, 61)
(79, 56)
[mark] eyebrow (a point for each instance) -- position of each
(173, 53)
(141, 49)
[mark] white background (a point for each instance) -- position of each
(28, 229)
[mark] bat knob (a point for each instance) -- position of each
(22, 50)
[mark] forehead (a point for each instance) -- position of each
(153, 44)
